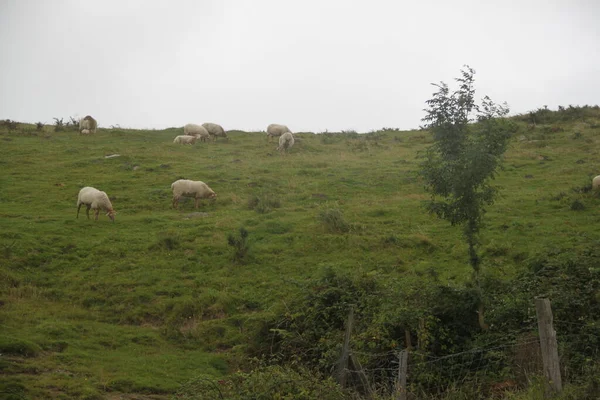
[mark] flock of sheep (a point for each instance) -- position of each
(98, 200)
(193, 133)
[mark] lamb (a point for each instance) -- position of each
(185, 139)
(196, 130)
(286, 141)
(96, 200)
(88, 123)
(85, 132)
(187, 188)
(275, 130)
(596, 184)
(215, 130)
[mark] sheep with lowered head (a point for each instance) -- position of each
(215, 130)
(286, 141)
(275, 130)
(185, 139)
(196, 130)
(187, 188)
(96, 200)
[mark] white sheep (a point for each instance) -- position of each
(96, 200)
(88, 123)
(275, 130)
(85, 132)
(185, 139)
(215, 130)
(286, 141)
(196, 130)
(187, 188)
(596, 183)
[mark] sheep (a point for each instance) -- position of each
(275, 130)
(215, 130)
(286, 141)
(185, 139)
(85, 132)
(196, 130)
(596, 184)
(96, 200)
(88, 123)
(187, 188)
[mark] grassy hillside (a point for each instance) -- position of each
(156, 298)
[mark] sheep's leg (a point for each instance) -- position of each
(175, 200)
(78, 207)
(87, 210)
(97, 212)
(196, 202)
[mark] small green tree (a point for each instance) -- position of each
(464, 158)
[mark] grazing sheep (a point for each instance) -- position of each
(96, 200)
(275, 130)
(596, 183)
(286, 141)
(185, 139)
(85, 132)
(215, 130)
(88, 123)
(196, 130)
(187, 188)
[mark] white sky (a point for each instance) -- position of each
(309, 64)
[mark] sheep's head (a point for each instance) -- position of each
(111, 214)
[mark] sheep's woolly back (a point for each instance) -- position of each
(94, 198)
(214, 129)
(596, 183)
(195, 130)
(286, 141)
(185, 139)
(88, 122)
(277, 130)
(186, 187)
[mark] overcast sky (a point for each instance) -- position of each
(310, 64)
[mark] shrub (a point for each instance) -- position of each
(264, 382)
(39, 126)
(577, 205)
(333, 220)
(239, 244)
(59, 126)
(263, 202)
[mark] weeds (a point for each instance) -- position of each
(59, 125)
(263, 202)
(240, 245)
(333, 220)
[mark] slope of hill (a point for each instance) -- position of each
(158, 297)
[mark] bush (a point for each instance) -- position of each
(333, 220)
(264, 382)
(240, 245)
(263, 202)
(59, 126)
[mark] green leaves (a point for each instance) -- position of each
(465, 155)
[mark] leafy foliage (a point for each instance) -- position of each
(464, 156)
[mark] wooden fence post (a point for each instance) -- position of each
(402, 372)
(343, 362)
(549, 347)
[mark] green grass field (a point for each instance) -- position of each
(93, 309)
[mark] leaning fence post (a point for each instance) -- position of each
(343, 362)
(549, 347)
(402, 372)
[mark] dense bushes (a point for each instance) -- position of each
(438, 321)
